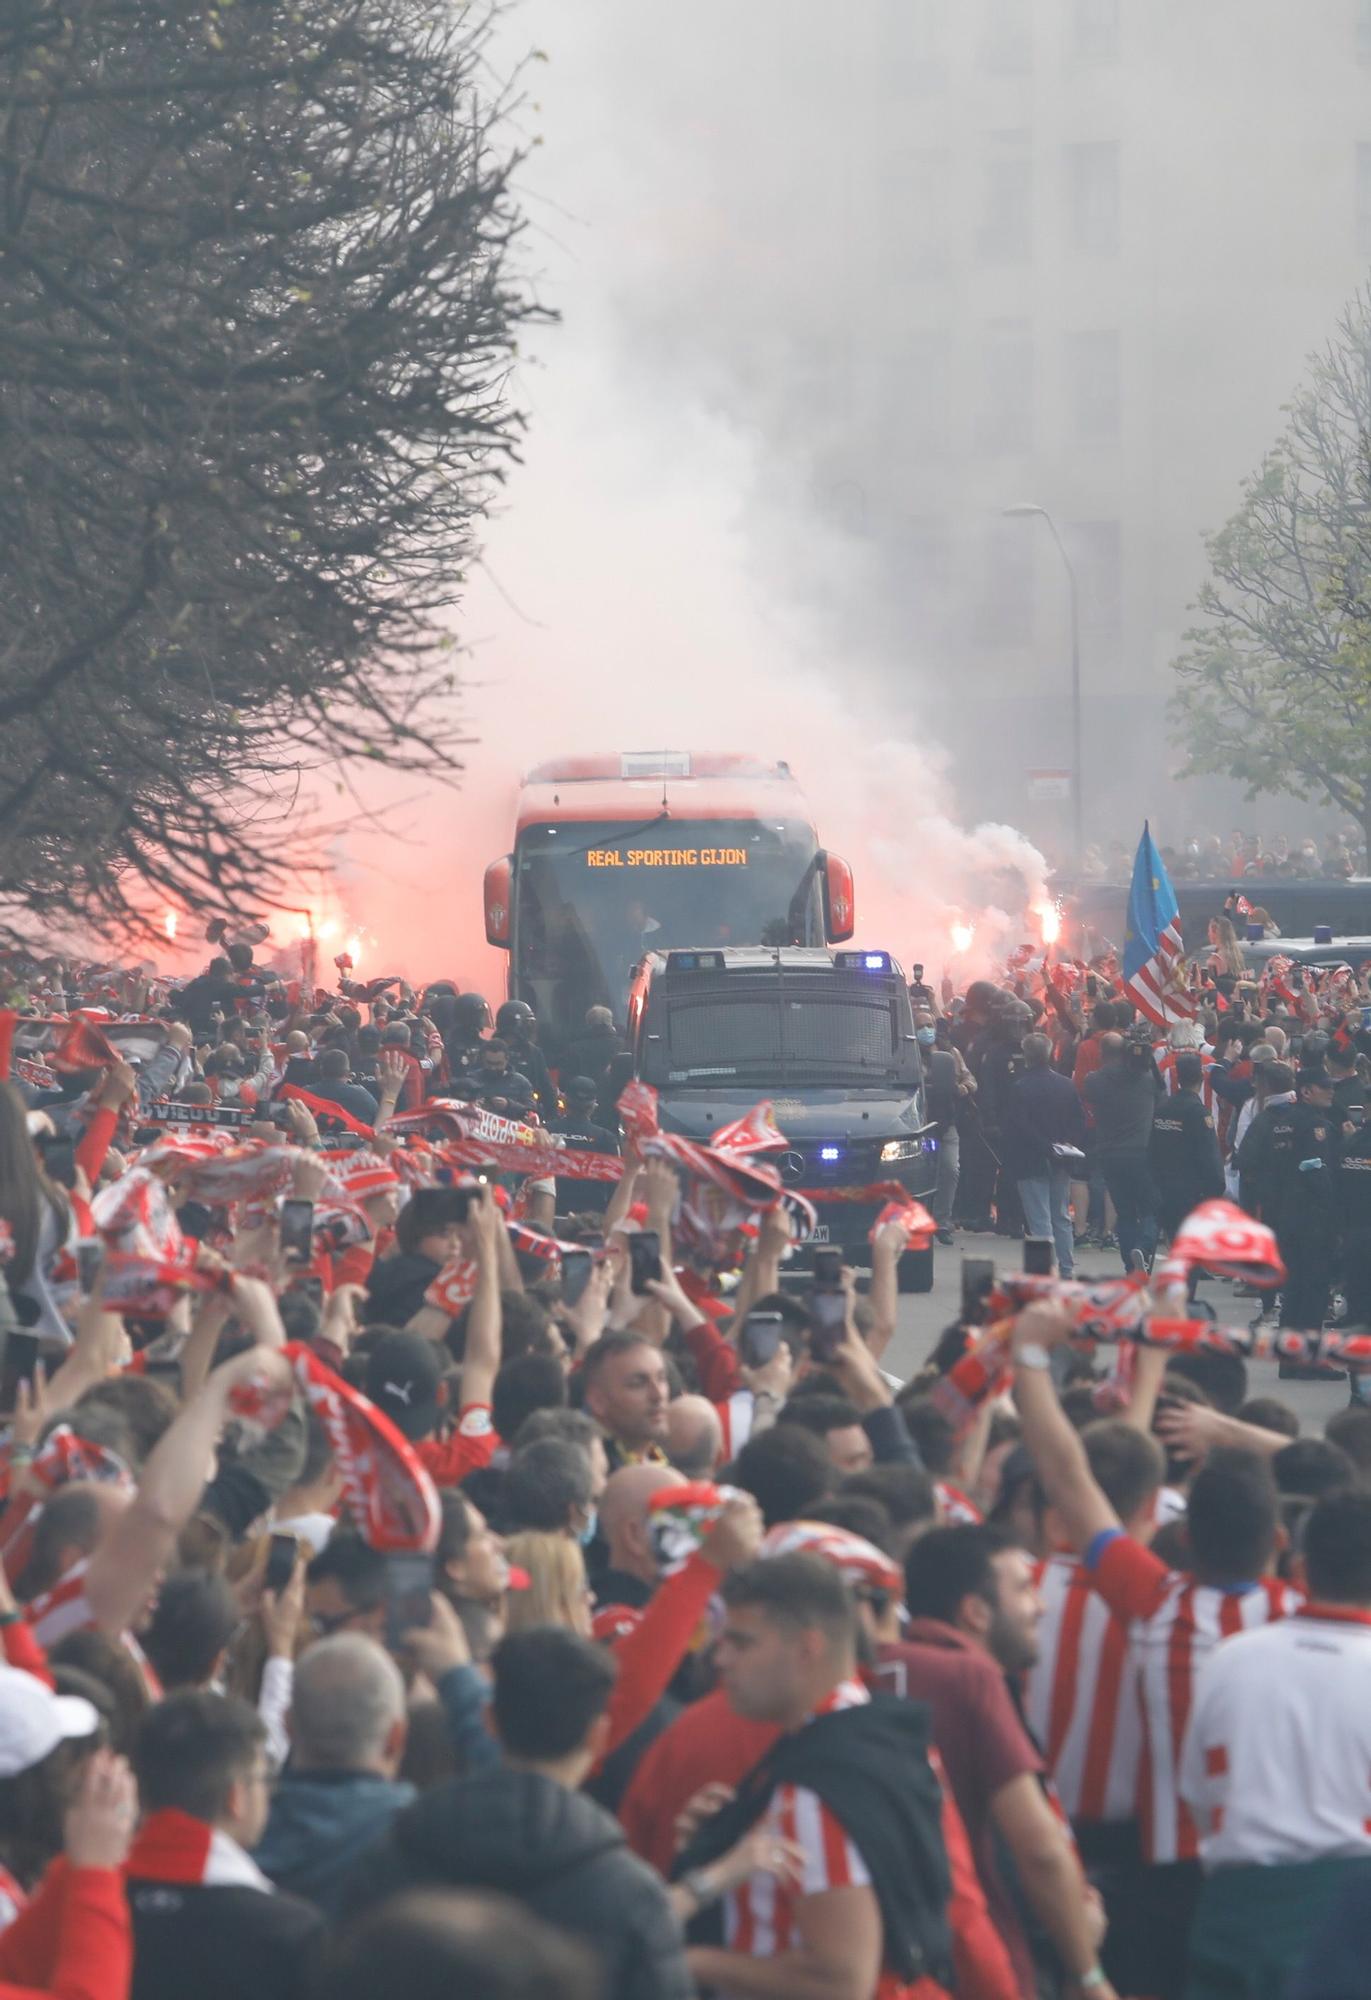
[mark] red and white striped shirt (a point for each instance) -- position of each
(1166, 1064)
(1081, 1698)
(760, 1918)
(1175, 1624)
(66, 1608)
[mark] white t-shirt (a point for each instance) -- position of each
(1277, 1759)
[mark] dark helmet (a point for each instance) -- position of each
(581, 1090)
(515, 1017)
(471, 1011)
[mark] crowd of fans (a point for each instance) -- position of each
(1214, 857)
(404, 1585)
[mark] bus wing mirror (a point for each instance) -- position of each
(498, 883)
(840, 915)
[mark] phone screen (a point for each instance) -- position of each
(576, 1267)
(828, 1270)
(645, 1259)
(760, 1339)
(297, 1230)
(409, 1586)
(830, 1324)
(90, 1261)
(282, 1557)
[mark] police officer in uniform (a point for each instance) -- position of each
(463, 1028)
(516, 1023)
(1289, 1167)
(1184, 1151)
(583, 1135)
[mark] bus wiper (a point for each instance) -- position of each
(629, 833)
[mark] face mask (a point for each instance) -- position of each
(587, 1534)
(927, 1037)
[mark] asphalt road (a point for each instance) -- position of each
(923, 1317)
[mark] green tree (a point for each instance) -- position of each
(1275, 682)
(256, 312)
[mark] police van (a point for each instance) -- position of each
(829, 1037)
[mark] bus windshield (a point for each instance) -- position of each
(590, 899)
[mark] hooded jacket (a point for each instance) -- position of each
(555, 1851)
(321, 1825)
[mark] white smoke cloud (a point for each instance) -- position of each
(652, 583)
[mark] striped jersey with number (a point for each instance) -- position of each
(1174, 1624)
(1081, 1697)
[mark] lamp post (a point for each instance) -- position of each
(1019, 512)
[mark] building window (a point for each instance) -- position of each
(1005, 423)
(1096, 548)
(1007, 37)
(914, 192)
(1092, 386)
(1092, 196)
(1005, 233)
(1004, 612)
(1094, 30)
(1364, 201)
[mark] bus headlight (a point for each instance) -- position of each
(900, 1149)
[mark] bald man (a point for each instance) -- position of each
(694, 1440)
(633, 1574)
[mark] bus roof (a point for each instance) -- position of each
(630, 787)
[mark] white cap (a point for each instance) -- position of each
(34, 1720)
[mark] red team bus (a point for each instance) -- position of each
(618, 855)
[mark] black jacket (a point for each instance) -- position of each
(221, 1943)
(590, 1053)
(869, 1766)
(1122, 1096)
(556, 1852)
(1042, 1110)
(1288, 1163)
(583, 1136)
(1185, 1152)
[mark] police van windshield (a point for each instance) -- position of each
(766, 1038)
(589, 900)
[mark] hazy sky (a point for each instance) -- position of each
(706, 544)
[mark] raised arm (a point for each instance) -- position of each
(124, 1571)
(1053, 1444)
(481, 1359)
(762, 1271)
(884, 1295)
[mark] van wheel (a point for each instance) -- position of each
(916, 1271)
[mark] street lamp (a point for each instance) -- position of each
(1019, 512)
